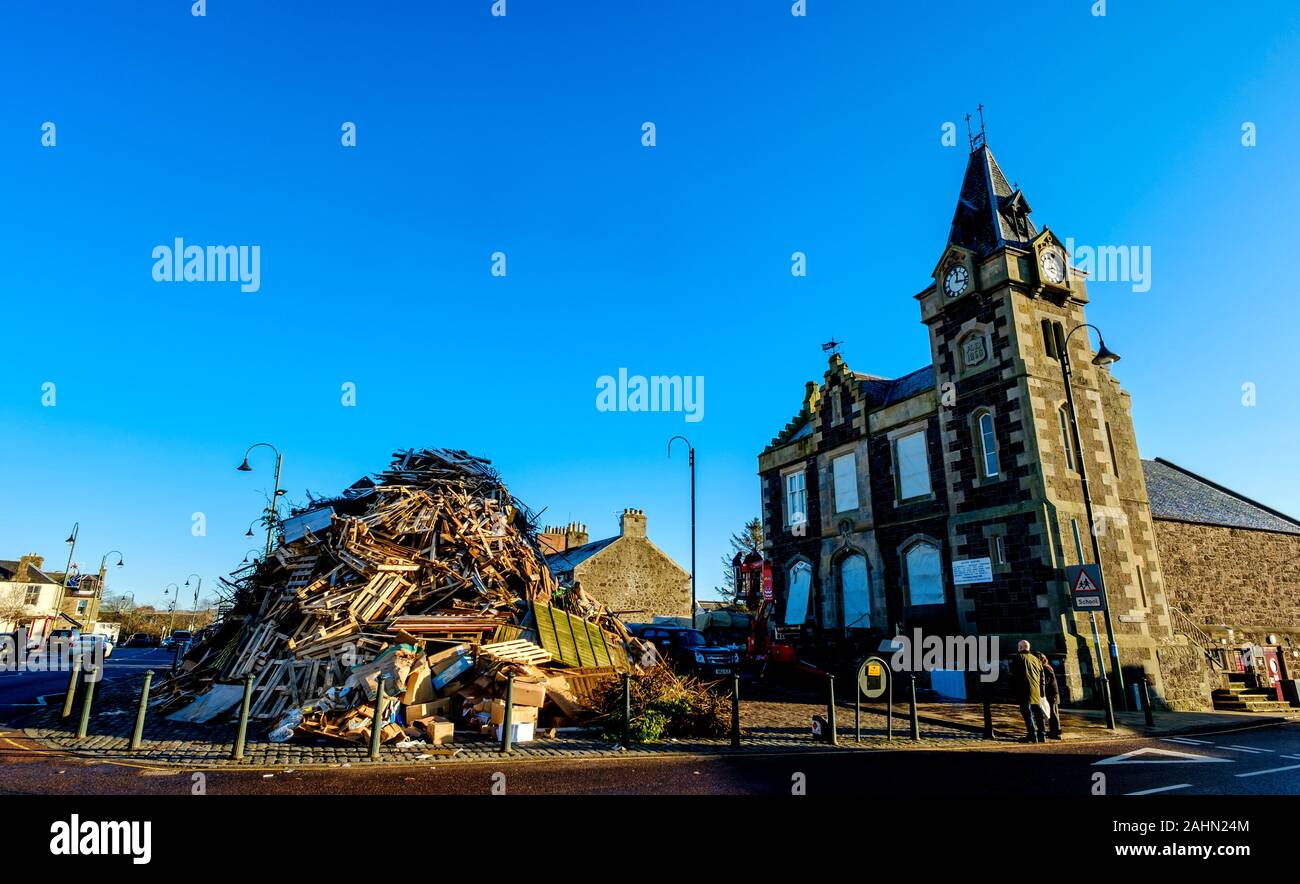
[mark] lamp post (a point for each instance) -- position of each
(690, 450)
(67, 569)
(194, 612)
(103, 577)
(1104, 357)
(255, 553)
(171, 617)
(272, 515)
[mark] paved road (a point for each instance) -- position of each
(21, 691)
(1253, 762)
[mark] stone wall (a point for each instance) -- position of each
(1232, 577)
(632, 574)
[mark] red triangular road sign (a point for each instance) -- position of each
(1083, 583)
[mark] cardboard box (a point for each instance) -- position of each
(437, 730)
(520, 731)
(528, 693)
(518, 714)
(423, 710)
(419, 686)
(452, 672)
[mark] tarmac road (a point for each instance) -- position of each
(21, 691)
(1263, 761)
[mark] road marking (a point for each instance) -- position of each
(1160, 789)
(1168, 756)
(1186, 742)
(1257, 773)
(1245, 749)
(1291, 756)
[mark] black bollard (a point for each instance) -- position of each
(911, 702)
(988, 718)
(377, 726)
(507, 724)
(1146, 701)
(735, 712)
(138, 735)
(1105, 699)
(627, 708)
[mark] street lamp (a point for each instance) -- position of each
(272, 508)
(690, 450)
(103, 577)
(255, 553)
(67, 569)
(1103, 357)
(195, 612)
(171, 618)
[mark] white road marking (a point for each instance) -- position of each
(1189, 740)
(1257, 773)
(1291, 756)
(1244, 749)
(1166, 756)
(1160, 789)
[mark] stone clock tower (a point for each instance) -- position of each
(1003, 298)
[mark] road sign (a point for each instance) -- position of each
(1086, 593)
(873, 678)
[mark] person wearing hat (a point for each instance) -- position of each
(1027, 688)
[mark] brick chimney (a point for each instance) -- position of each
(551, 539)
(27, 564)
(632, 523)
(575, 535)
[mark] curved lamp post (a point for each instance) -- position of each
(67, 569)
(195, 612)
(690, 451)
(171, 618)
(272, 514)
(103, 576)
(1103, 357)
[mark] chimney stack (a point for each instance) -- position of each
(27, 564)
(632, 523)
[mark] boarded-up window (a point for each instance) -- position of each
(854, 587)
(924, 575)
(913, 466)
(796, 600)
(845, 469)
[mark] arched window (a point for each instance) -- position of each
(854, 591)
(1067, 444)
(924, 574)
(799, 581)
(987, 443)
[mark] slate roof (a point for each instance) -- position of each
(564, 562)
(990, 212)
(879, 392)
(1180, 495)
(9, 567)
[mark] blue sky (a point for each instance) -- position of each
(522, 134)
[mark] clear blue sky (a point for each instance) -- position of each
(523, 134)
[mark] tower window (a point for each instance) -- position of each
(988, 444)
(1066, 444)
(1114, 461)
(1049, 339)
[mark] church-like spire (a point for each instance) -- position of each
(990, 212)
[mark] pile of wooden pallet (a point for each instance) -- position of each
(403, 575)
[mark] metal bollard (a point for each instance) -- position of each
(91, 677)
(138, 735)
(735, 712)
(911, 702)
(1105, 699)
(71, 696)
(1146, 701)
(627, 708)
(377, 726)
(830, 710)
(176, 656)
(237, 753)
(507, 724)
(988, 718)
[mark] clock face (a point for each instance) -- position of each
(956, 281)
(1053, 266)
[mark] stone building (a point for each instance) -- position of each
(950, 499)
(627, 573)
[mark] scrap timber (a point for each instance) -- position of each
(429, 576)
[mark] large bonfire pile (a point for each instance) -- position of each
(428, 576)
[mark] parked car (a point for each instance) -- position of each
(142, 640)
(182, 637)
(87, 643)
(687, 650)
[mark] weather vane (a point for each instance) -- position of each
(832, 346)
(976, 141)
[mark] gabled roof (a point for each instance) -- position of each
(564, 562)
(1180, 495)
(990, 212)
(879, 392)
(9, 568)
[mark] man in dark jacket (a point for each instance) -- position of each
(1027, 688)
(1052, 694)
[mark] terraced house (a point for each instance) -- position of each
(951, 499)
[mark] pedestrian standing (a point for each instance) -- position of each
(1052, 696)
(1027, 687)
